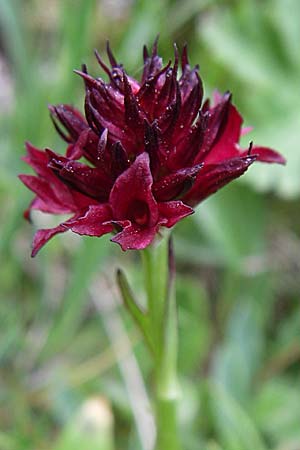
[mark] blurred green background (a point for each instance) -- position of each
(68, 373)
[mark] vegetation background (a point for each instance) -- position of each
(68, 374)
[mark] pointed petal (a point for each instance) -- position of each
(190, 80)
(55, 198)
(133, 114)
(45, 207)
(214, 176)
(149, 91)
(95, 222)
(70, 118)
(119, 159)
(51, 191)
(89, 81)
(225, 147)
(74, 151)
(35, 153)
(85, 145)
(112, 59)
(184, 58)
(90, 181)
(152, 64)
(132, 189)
(186, 150)
(151, 144)
(216, 122)
(266, 155)
(88, 146)
(175, 184)
(101, 147)
(168, 119)
(43, 190)
(189, 109)
(36, 159)
(108, 101)
(171, 212)
(41, 237)
(92, 115)
(167, 93)
(102, 63)
(103, 113)
(135, 238)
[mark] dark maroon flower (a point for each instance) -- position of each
(145, 153)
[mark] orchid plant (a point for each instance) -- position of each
(145, 154)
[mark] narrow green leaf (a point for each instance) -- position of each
(140, 317)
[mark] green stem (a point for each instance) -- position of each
(166, 425)
(162, 313)
(155, 267)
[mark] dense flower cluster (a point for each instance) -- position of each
(143, 156)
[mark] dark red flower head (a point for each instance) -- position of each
(145, 153)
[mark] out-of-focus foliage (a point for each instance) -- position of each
(238, 256)
(255, 44)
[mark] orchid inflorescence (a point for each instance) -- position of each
(145, 154)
